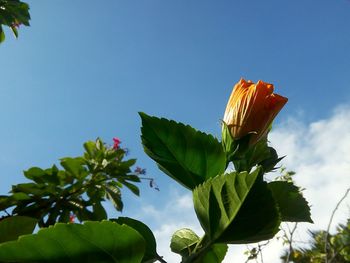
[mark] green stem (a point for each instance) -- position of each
(160, 259)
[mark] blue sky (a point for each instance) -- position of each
(85, 68)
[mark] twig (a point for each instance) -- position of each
(290, 240)
(330, 222)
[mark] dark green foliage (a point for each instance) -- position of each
(291, 204)
(14, 226)
(78, 188)
(13, 13)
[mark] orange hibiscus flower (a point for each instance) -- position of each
(251, 109)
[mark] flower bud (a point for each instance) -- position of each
(251, 110)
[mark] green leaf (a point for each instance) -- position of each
(231, 208)
(128, 163)
(151, 246)
(183, 242)
(291, 203)
(92, 242)
(90, 148)
(75, 167)
(131, 177)
(2, 34)
(133, 188)
(65, 216)
(15, 31)
(20, 196)
(258, 218)
(83, 214)
(40, 176)
(52, 175)
(185, 154)
(99, 211)
(35, 173)
(219, 199)
(14, 226)
(113, 194)
(6, 202)
(215, 254)
(31, 189)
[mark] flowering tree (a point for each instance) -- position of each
(78, 188)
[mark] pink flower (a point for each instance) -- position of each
(71, 218)
(139, 170)
(116, 143)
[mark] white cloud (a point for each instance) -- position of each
(320, 154)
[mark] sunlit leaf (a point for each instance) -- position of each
(183, 241)
(151, 247)
(185, 154)
(224, 208)
(215, 254)
(91, 242)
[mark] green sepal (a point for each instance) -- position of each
(269, 164)
(245, 156)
